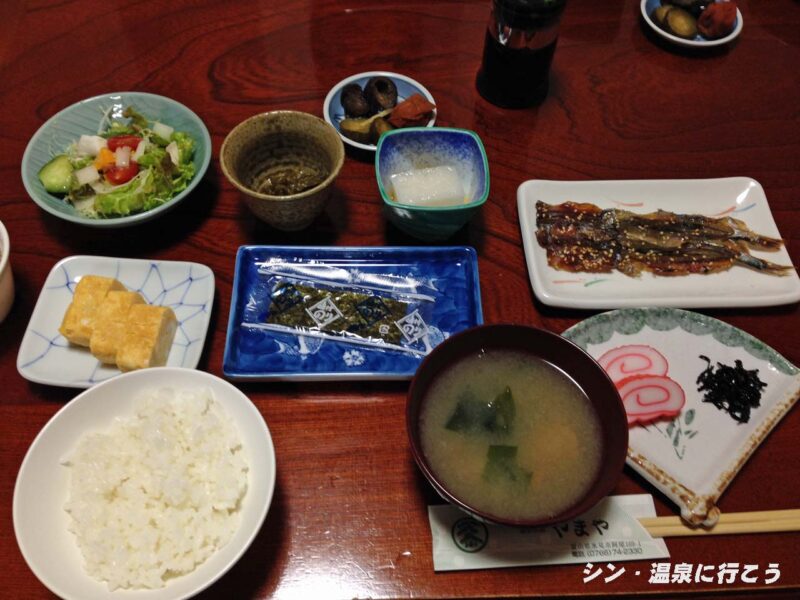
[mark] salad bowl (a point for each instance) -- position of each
(88, 117)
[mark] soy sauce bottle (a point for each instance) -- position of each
(518, 49)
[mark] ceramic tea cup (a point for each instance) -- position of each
(284, 163)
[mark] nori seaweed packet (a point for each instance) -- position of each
(346, 305)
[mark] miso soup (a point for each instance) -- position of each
(511, 435)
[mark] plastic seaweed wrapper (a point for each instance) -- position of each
(329, 302)
(303, 313)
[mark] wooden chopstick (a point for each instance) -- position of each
(729, 523)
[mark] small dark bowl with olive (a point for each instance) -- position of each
(678, 21)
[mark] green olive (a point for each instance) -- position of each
(659, 15)
(681, 23)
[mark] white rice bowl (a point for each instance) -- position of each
(42, 525)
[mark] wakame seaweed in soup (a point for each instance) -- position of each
(337, 312)
(510, 435)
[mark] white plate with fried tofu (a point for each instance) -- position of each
(98, 316)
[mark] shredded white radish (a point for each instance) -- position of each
(174, 153)
(140, 150)
(123, 156)
(85, 205)
(162, 131)
(87, 175)
(91, 144)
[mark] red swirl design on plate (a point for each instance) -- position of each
(633, 359)
(639, 373)
(650, 397)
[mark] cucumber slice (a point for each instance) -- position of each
(56, 176)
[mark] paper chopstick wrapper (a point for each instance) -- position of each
(610, 532)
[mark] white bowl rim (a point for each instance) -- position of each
(391, 75)
(694, 43)
(142, 373)
(5, 248)
(127, 220)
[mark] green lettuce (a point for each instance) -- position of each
(158, 180)
(150, 188)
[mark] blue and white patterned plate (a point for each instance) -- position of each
(333, 112)
(46, 357)
(440, 285)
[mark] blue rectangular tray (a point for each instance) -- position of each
(447, 274)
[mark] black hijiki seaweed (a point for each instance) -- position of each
(732, 389)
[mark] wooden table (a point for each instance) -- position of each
(349, 515)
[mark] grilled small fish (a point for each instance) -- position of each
(581, 237)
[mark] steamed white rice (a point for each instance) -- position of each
(159, 492)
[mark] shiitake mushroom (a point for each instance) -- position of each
(381, 93)
(354, 102)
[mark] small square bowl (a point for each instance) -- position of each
(422, 147)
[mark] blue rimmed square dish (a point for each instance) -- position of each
(415, 297)
(188, 288)
(406, 150)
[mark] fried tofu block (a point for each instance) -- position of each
(78, 321)
(110, 323)
(149, 332)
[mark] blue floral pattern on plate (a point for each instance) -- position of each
(447, 277)
(333, 112)
(188, 288)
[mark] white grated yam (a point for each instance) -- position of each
(159, 492)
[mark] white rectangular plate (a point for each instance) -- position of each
(739, 197)
(46, 357)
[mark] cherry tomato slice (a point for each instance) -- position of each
(131, 141)
(120, 175)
